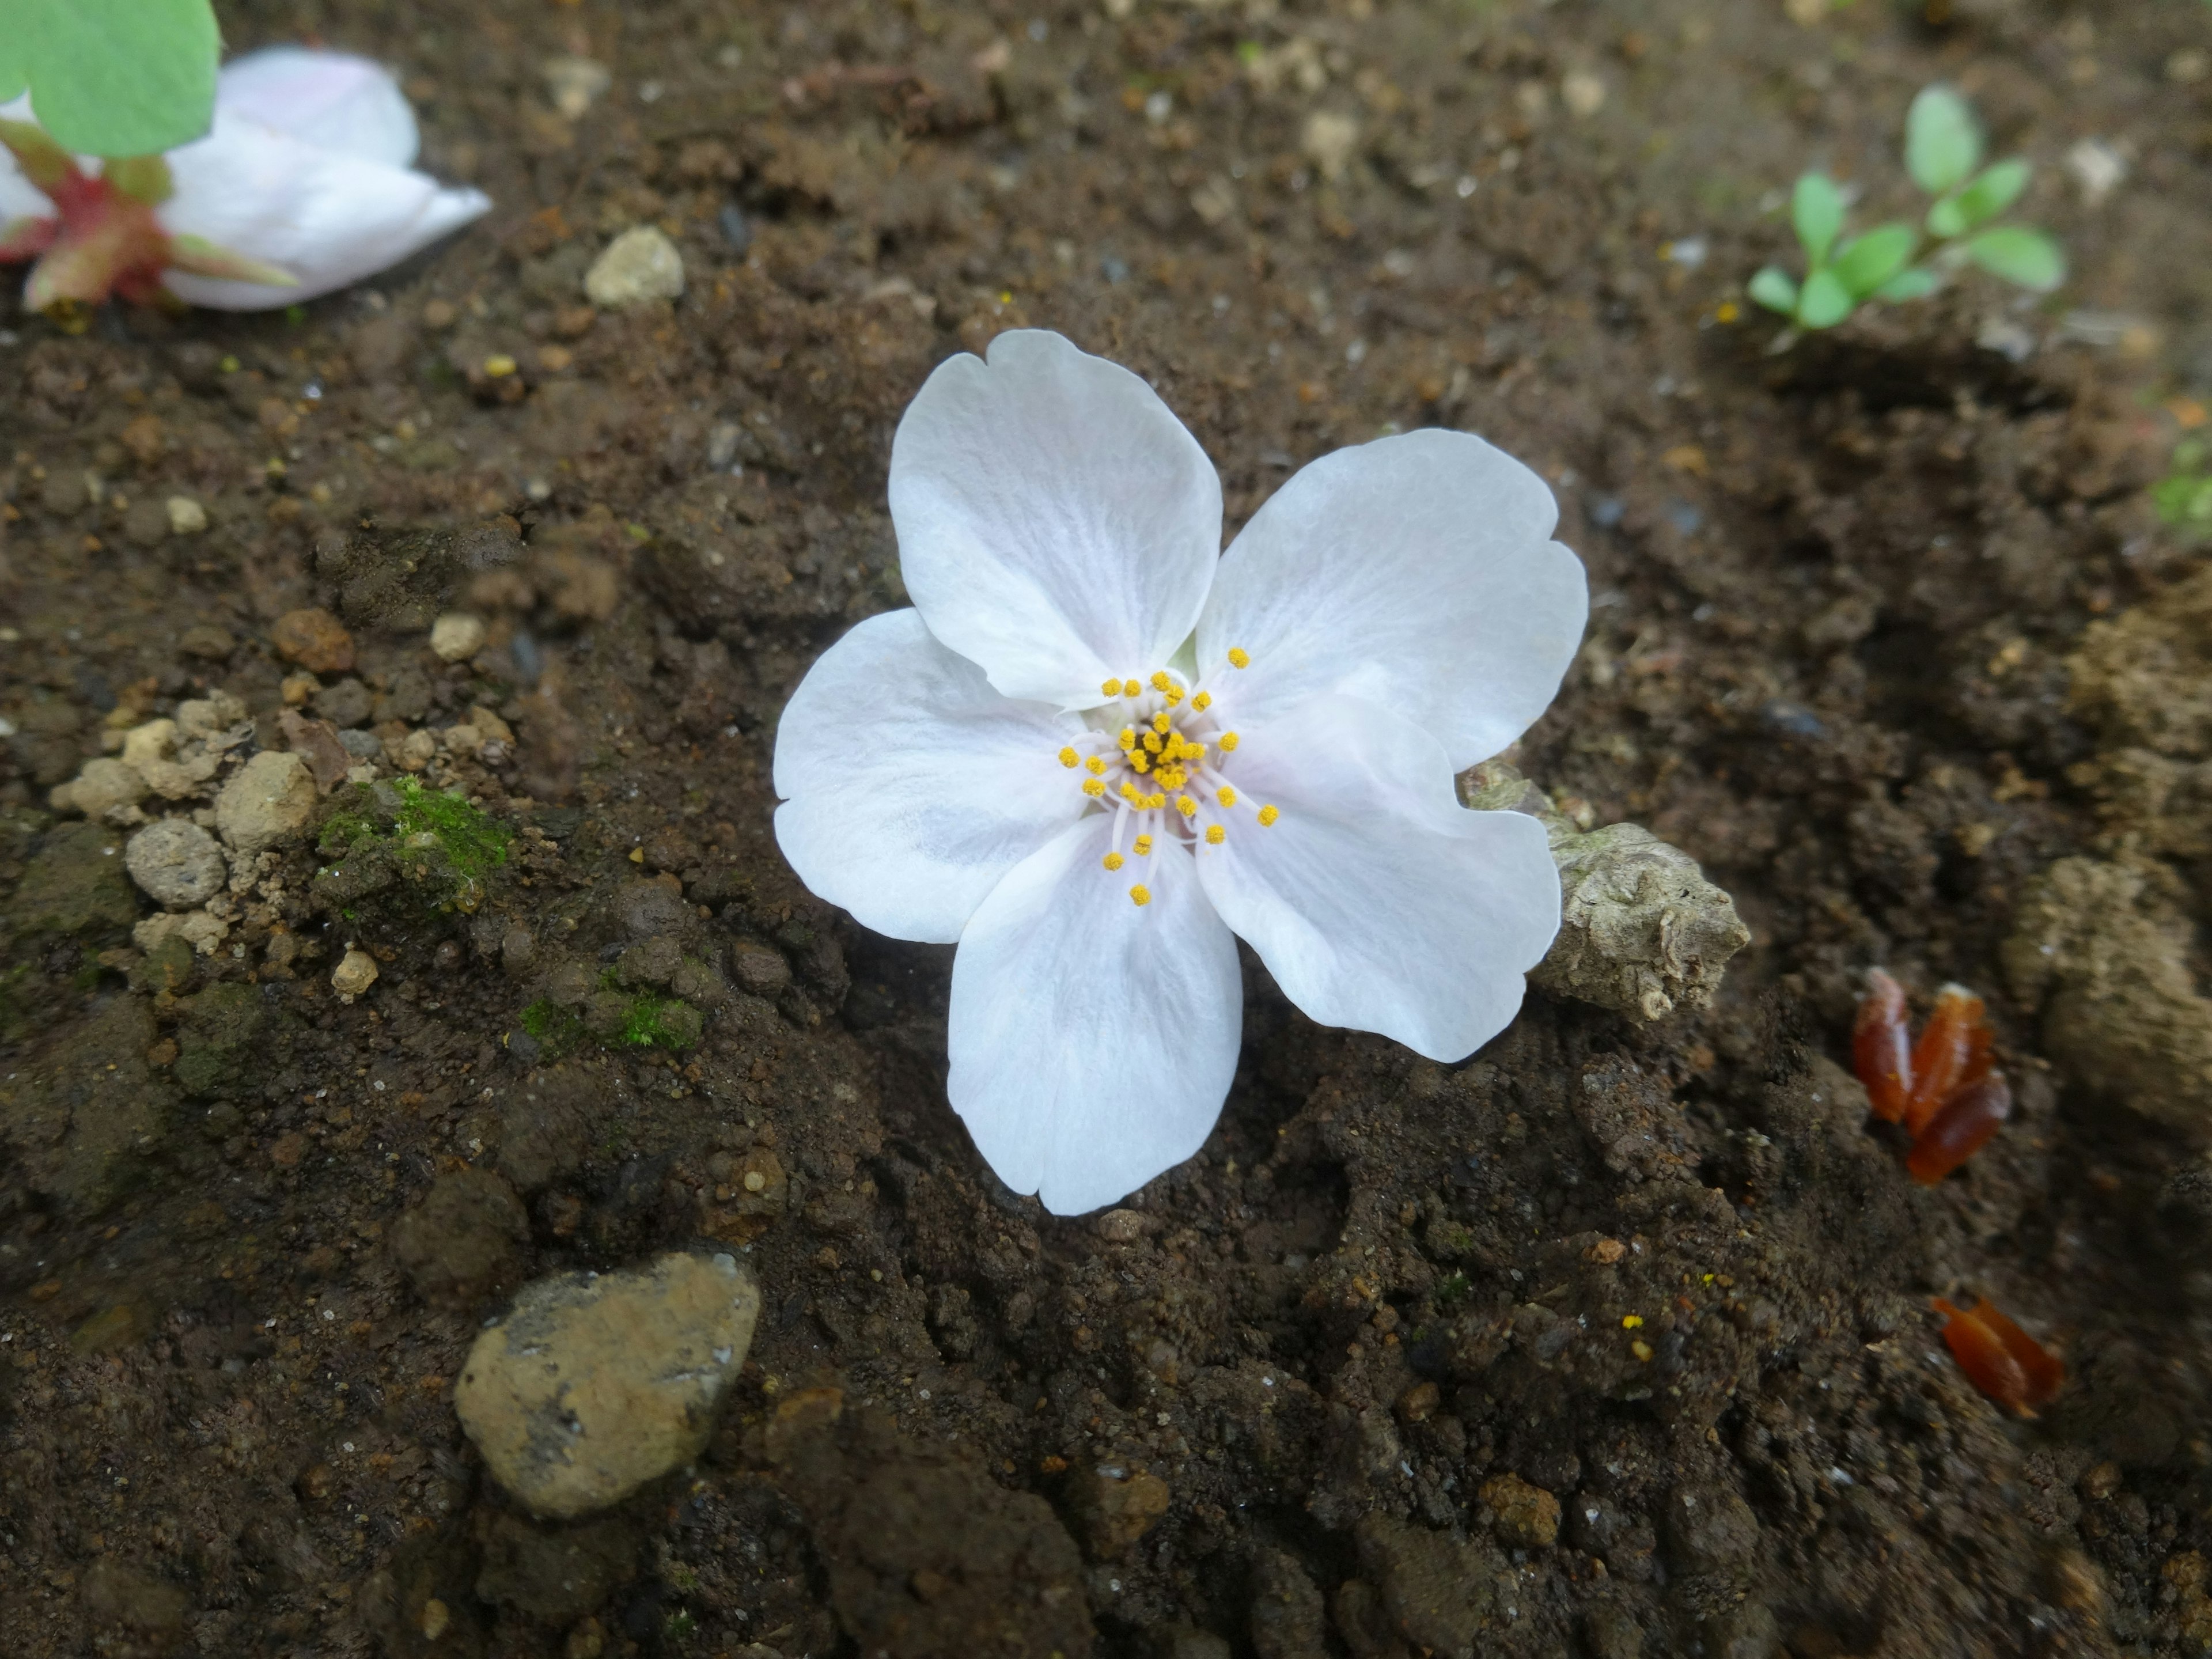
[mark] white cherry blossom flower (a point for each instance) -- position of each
(303, 184)
(1098, 750)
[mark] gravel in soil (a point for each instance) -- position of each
(454, 615)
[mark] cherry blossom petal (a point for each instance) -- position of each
(1379, 902)
(1416, 572)
(328, 218)
(910, 788)
(1056, 523)
(331, 100)
(1092, 1040)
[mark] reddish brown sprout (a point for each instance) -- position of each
(1946, 1090)
(2000, 1359)
(1881, 1046)
(1961, 1128)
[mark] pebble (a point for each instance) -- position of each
(1329, 140)
(186, 516)
(103, 786)
(1527, 1516)
(272, 796)
(355, 973)
(596, 1384)
(639, 266)
(176, 863)
(315, 640)
(457, 636)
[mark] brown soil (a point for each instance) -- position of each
(1357, 1378)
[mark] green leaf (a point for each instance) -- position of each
(1995, 190)
(1824, 301)
(1943, 140)
(1916, 284)
(1816, 209)
(1772, 288)
(14, 69)
(117, 78)
(1868, 262)
(2022, 256)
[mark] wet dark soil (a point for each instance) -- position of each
(1610, 1341)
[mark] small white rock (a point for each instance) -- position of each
(272, 795)
(99, 788)
(2098, 169)
(354, 973)
(176, 863)
(1329, 140)
(574, 84)
(1582, 93)
(639, 266)
(457, 636)
(186, 516)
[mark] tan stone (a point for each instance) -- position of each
(315, 640)
(272, 795)
(594, 1384)
(355, 973)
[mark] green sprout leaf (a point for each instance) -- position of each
(1824, 301)
(1995, 190)
(1943, 140)
(1773, 289)
(1916, 284)
(1816, 209)
(1868, 263)
(2022, 256)
(113, 78)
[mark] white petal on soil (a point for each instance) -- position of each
(1377, 901)
(1416, 572)
(19, 197)
(1092, 1042)
(910, 788)
(328, 218)
(1056, 523)
(332, 99)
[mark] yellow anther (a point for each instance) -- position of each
(1128, 740)
(1111, 688)
(1114, 861)
(1174, 695)
(1160, 723)
(1140, 896)
(1130, 688)
(1202, 702)
(1095, 766)
(1239, 657)
(1141, 761)
(1160, 680)
(1225, 795)
(1128, 792)
(1173, 777)
(1187, 806)
(1215, 834)
(1194, 751)
(1229, 741)
(1144, 846)
(1269, 814)
(1068, 757)
(1154, 802)
(1094, 788)
(1152, 744)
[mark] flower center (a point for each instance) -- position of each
(1157, 757)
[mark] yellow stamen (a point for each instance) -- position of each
(1094, 766)
(1229, 741)
(1144, 846)
(1152, 744)
(1140, 896)
(1112, 688)
(1215, 834)
(1194, 751)
(1239, 657)
(1202, 702)
(1174, 695)
(1269, 814)
(1130, 688)
(1160, 680)
(1128, 740)
(1141, 761)
(1094, 788)
(1173, 778)
(1114, 861)
(1128, 792)
(1160, 723)
(1225, 795)
(1187, 806)
(1068, 757)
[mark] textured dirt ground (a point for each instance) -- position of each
(1357, 1379)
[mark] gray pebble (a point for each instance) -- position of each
(176, 863)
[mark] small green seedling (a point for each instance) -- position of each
(2184, 494)
(1943, 150)
(113, 78)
